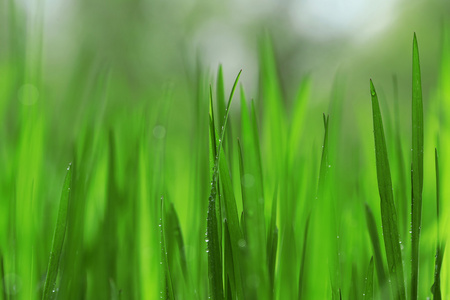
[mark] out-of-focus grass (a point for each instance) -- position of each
(293, 210)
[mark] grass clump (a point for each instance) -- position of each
(254, 200)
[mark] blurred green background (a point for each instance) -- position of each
(121, 89)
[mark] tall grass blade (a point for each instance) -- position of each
(440, 246)
(212, 234)
(417, 168)
(368, 288)
(58, 237)
(388, 213)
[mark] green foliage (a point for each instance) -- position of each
(292, 209)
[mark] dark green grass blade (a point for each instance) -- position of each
(368, 288)
(388, 213)
(58, 237)
(303, 261)
(324, 160)
(417, 168)
(372, 227)
(440, 247)
(164, 261)
(212, 235)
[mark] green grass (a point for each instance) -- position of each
(179, 192)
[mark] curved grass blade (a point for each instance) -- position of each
(368, 288)
(440, 247)
(58, 237)
(372, 227)
(324, 160)
(417, 168)
(176, 236)
(388, 213)
(164, 261)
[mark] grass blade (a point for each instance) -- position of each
(417, 168)
(176, 236)
(368, 289)
(272, 243)
(388, 213)
(303, 261)
(440, 247)
(372, 227)
(58, 237)
(164, 260)
(212, 233)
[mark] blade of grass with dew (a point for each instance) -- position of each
(214, 254)
(368, 287)
(301, 277)
(166, 278)
(373, 233)
(212, 234)
(440, 246)
(417, 168)
(388, 213)
(58, 237)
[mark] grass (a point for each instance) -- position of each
(233, 197)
